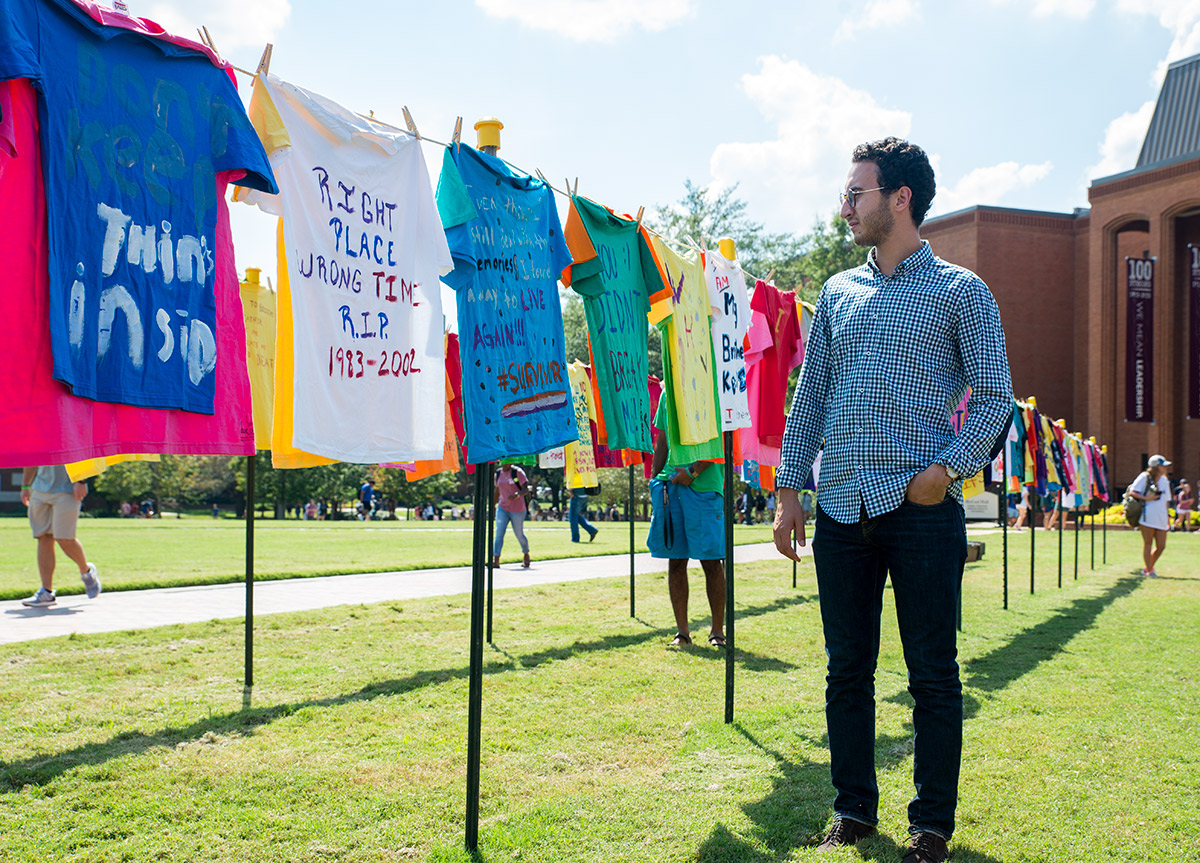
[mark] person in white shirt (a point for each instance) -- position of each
(1153, 489)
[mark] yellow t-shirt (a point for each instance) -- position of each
(683, 317)
(80, 470)
(283, 454)
(258, 310)
(581, 458)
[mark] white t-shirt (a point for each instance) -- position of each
(1154, 512)
(730, 321)
(365, 248)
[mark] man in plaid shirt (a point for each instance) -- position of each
(893, 347)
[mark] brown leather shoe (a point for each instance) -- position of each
(844, 832)
(926, 848)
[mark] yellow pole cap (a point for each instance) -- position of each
(1033, 401)
(252, 274)
(489, 132)
(727, 247)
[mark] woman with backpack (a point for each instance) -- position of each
(1153, 489)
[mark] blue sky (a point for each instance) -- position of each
(1019, 102)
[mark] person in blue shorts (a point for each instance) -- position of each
(687, 522)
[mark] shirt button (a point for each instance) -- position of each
(861, 391)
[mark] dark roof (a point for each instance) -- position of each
(1174, 131)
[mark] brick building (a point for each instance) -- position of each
(1060, 280)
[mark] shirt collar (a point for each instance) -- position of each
(913, 262)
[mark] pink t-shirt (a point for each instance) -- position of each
(42, 422)
(509, 482)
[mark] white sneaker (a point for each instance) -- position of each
(42, 599)
(91, 581)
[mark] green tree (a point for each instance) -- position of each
(704, 215)
(130, 481)
(828, 249)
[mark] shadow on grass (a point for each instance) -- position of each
(797, 808)
(42, 769)
(794, 814)
(1031, 647)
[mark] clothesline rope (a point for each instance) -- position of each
(373, 119)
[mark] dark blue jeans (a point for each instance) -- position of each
(577, 515)
(923, 548)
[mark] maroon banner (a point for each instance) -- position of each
(1193, 410)
(1139, 340)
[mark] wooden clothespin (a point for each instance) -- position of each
(264, 63)
(641, 210)
(412, 127)
(457, 132)
(575, 188)
(770, 276)
(209, 39)
(570, 194)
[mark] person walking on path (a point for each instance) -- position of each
(1154, 489)
(54, 503)
(577, 514)
(511, 485)
(894, 345)
(687, 522)
(1185, 501)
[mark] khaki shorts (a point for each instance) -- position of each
(53, 514)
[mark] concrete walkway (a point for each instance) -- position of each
(142, 609)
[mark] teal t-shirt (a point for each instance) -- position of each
(681, 454)
(617, 291)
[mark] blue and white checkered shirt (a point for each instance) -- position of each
(888, 360)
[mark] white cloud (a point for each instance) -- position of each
(233, 24)
(876, 15)
(795, 178)
(1078, 9)
(591, 20)
(988, 185)
(1122, 142)
(1181, 17)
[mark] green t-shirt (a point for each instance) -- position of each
(617, 289)
(681, 454)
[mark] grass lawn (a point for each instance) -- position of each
(600, 744)
(170, 552)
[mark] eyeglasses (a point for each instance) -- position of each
(851, 195)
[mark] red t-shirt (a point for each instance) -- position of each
(778, 358)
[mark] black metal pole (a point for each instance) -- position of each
(491, 541)
(1034, 500)
(250, 571)
(629, 514)
(1104, 534)
(1058, 523)
(479, 552)
(728, 577)
(1092, 518)
(793, 562)
(1004, 502)
(1075, 518)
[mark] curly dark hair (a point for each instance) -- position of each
(901, 164)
